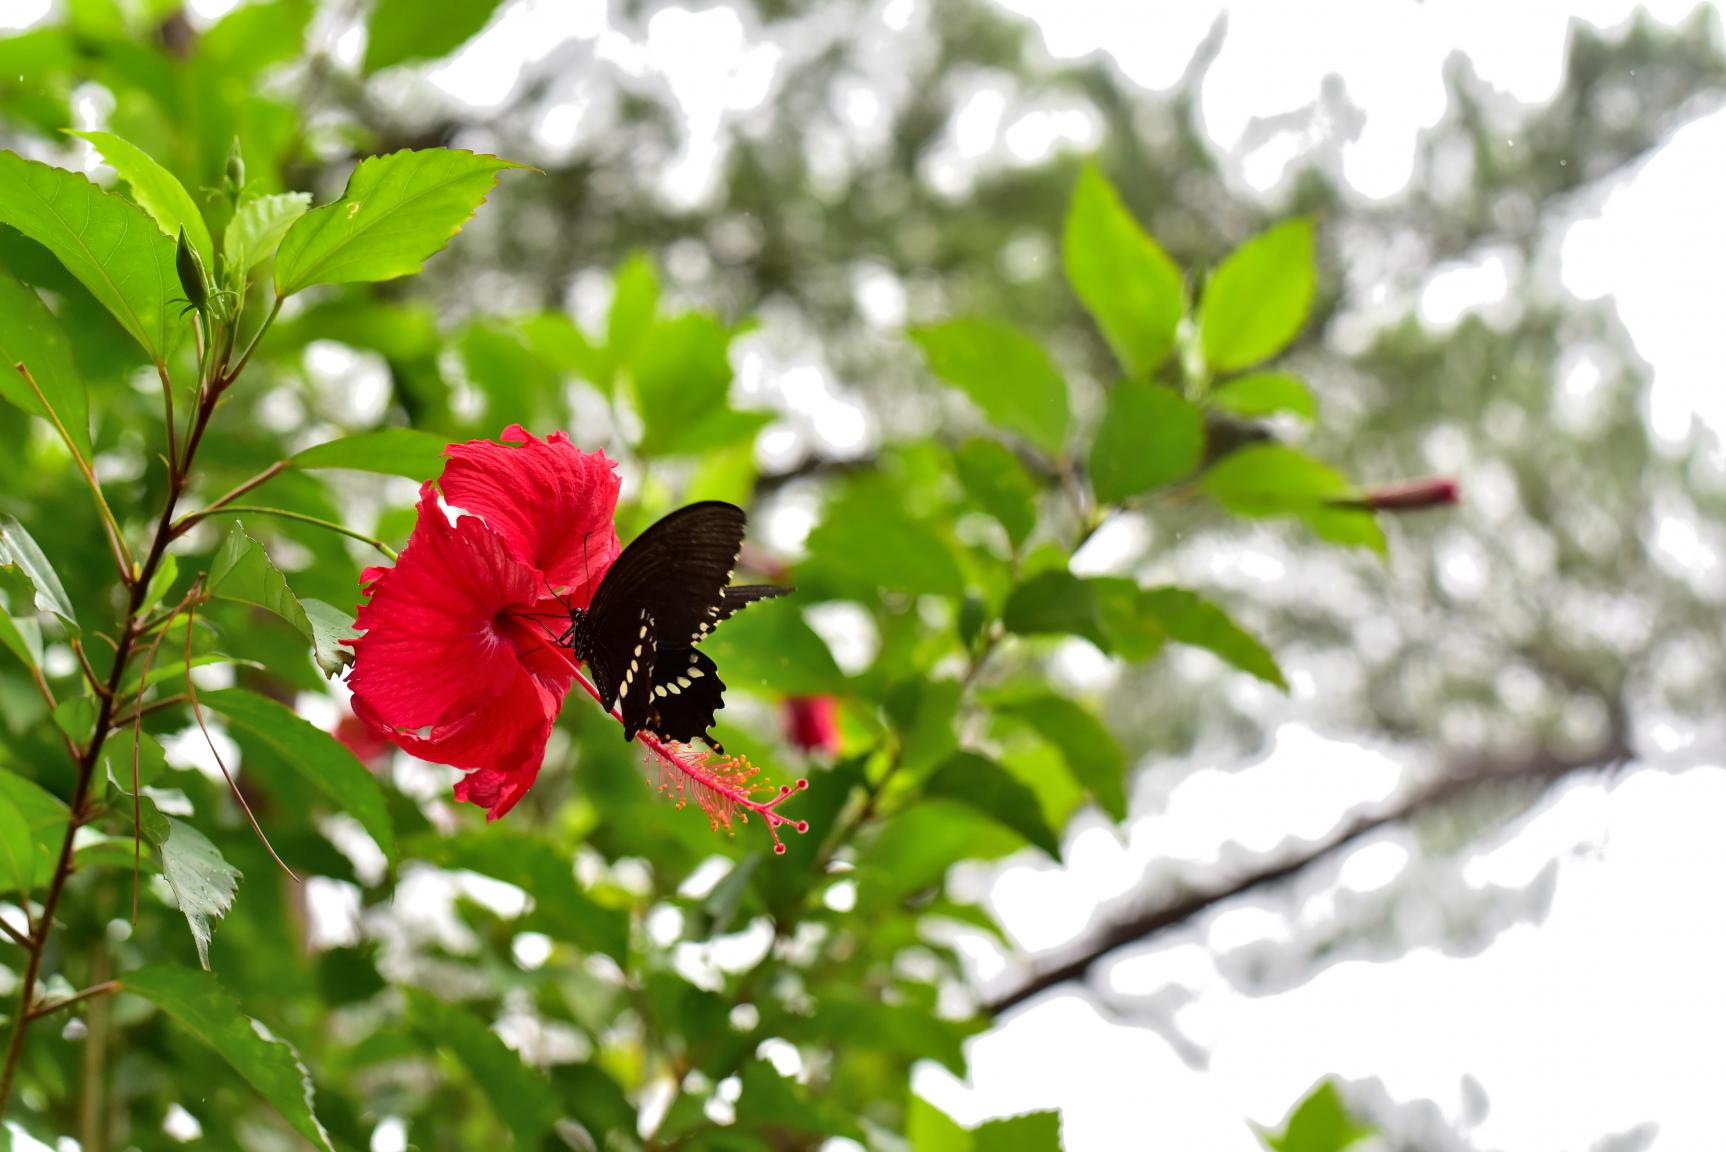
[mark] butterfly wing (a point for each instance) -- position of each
(660, 598)
(686, 693)
(676, 570)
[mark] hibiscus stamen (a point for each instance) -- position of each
(724, 787)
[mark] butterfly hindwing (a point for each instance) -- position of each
(686, 693)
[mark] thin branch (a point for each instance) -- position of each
(198, 713)
(90, 677)
(233, 494)
(1543, 768)
(150, 709)
(19, 938)
(54, 1006)
(110, 526)
(168, 421)
(286, 514)
(252, 346)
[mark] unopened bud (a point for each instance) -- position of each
(190, 266)
(234, 172)
(1408, 496)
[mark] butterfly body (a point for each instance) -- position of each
(664, 594)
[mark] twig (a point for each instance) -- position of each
(54, 1006)
(18, 938)
(258, 510)
(90, 677)
(1543, 769)
(110, 526)
(235, 493)
(198, 713)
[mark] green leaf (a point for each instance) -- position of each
(682, 373)
(520, 1096)
(925, 715)
(1274, 480)
(770, 648)
(1270, 480)
(561, 907)
(996, 481)
(107, 242)
(330, 626)
(156, 190)
(1149, 438)
(203, 883)
(988, 788)
(931, 1130)
(1054, 602)
(1264, 393)
(161, 673)
(257, 228)
(634, 303)
(19, 550)
(161, 583)
(1092, 753)
(17, 850)
(204, 1008)
(1128, 283)
(390, 451)
(1005, 373)
(32, 336)
(404, 30)
(23, 638)
(1191, 619)
(117, 757)
(1027, 1132)
(866, 537)
(76, 717)
(773, 1102)
(316, 755)
(46, 817)
(242, 572)
(398, 210)
(1320, 1124)
(1258, 298)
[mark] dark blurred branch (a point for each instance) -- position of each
(1543, 767)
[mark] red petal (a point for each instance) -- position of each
(502, 745)
(432, 651)
(551, 503)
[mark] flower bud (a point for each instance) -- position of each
(812, 723)
(190, 266)
(234, 172)
(1408, 496)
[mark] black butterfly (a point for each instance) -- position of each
(659, 599)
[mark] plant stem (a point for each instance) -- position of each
(54, 1006)
(233, 494)
(187, 521)
(16, 936)
(110, 526)
(78, 812)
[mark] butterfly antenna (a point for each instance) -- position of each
(586, 580)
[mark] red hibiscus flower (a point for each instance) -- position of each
(452, 666)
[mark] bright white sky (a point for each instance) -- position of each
(1604, 1016)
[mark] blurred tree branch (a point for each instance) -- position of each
(1542, 767)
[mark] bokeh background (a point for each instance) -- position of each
(1469, 864)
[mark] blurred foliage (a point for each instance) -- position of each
(1069, 346)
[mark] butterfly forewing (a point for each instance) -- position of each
(676, 570)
